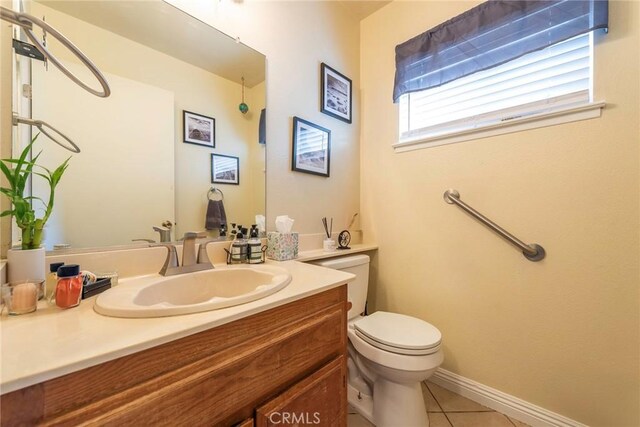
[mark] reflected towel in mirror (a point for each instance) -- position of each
(216, 216)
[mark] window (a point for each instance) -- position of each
(496, 77)
(555, 78)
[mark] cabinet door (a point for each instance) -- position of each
(320, 399)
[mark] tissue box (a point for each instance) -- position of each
(282, 246)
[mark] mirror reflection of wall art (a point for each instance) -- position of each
(225, 169)
(311, 148)
(199, 129)
(335, 94)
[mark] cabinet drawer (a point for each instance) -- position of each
(319, 399)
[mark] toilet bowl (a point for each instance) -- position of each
(390, 355)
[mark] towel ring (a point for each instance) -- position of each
(42, 127)
(214, 190)
(27, 22)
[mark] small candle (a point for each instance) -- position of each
(24, 298)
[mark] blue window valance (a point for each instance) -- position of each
(488, 35)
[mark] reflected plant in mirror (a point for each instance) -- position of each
(134, 165)
(18, 172)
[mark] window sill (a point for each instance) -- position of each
(573, 114)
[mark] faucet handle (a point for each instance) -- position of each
(143, 240)
(172, 257)
(203, 257)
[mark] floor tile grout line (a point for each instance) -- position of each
(480, 412)
(434, 397)
(441, 408)
(437, 403)
(448, 420)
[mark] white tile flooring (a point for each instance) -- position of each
(448, 409)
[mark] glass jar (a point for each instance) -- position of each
(69, 287)
(20, 297)
(52, 281)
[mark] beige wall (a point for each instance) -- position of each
(562, 333)
(257, 155)
(125, 168)
(234, 137)
(296, 37)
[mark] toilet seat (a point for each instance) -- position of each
(398, 333)
(388, 359)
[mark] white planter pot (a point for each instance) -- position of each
(26, 264)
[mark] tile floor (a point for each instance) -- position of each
(448, 409)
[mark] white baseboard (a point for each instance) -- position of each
(509, 405)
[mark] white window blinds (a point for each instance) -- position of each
(556, 77)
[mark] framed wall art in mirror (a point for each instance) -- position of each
(225, 169)
(199, 129)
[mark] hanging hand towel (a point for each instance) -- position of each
(216, 215)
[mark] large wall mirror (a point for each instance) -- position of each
(135, 170)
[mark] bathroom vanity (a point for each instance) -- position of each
(282, 357)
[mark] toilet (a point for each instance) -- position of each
(389, 355)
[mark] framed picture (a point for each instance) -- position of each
(225, 169)
(311, 148)
(335, 94)
(199, 129)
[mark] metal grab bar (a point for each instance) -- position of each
(532, 252)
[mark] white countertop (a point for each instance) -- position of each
(322, 254)
(51, 342)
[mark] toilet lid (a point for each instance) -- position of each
(398, 333)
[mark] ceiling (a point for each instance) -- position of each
(163, 27)
(360, 9)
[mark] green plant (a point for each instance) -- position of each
(17, 172)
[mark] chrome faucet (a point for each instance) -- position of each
(190, 261)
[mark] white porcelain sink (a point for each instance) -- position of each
(157, 296)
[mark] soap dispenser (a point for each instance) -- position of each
(239, 248)
(254, 247)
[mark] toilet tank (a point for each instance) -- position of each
(357, 289)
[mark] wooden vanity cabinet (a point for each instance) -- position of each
(312, 401)
(283, 364)
(249, 422)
